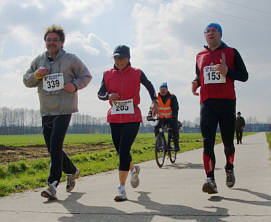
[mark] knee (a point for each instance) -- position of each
(124, 162)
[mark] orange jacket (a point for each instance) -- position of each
(164, 110)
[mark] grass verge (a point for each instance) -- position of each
(268, 138)
(24, 175)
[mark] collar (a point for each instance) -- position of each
(125, 69)
(222, 45)
(60, 53)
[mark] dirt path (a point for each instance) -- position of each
(12, 154)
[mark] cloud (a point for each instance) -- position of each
(85, 9)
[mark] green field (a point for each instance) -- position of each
(268, 137)
(22, 175)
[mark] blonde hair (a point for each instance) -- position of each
(55, 29)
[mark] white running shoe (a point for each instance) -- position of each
(134, 177)
(121, 194)
(49, 193)
(71, 180)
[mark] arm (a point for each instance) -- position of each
(148, 85)
(29, 77)
(196, 82)
(151, 90)
(174, 107)
(239, 72)
(82, 75)
(102, 93)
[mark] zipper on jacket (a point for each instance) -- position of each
(121, 91)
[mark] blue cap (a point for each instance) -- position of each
(164, 84)
(214, 25)
(122, 51)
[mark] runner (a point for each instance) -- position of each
(239, 127)
(168, 109)
(217, 67)
(121, 86)
(57, 75)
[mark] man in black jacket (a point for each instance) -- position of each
(168, 108)
(239, 127)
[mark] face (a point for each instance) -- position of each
(163, 91)
(53, 43)
(120, 62)
(212, 37)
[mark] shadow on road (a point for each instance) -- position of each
(84, 213)
(265, 202)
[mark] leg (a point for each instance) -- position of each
(208, 124)
(175, 133)
(128, 136)
(227, 127)
(241, 135)
(59, 160)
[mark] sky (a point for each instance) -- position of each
(164, 37)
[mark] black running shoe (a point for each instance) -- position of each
(209, 186)
(230, 178)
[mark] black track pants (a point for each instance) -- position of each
(212, 113)
(54, 131)
(123, 136)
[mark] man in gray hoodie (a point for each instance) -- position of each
(58, 75)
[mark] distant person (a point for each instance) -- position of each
(121, 86)
(168, 109)
(217, 67)
(239, 127)
(58, 75)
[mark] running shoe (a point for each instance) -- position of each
(230, 178)
(71, 180)
(49, 193)
(134, 177)
(209, 186)
(121, 194)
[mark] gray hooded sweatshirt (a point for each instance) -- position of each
(58, 102)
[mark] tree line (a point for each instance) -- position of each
(28, 121)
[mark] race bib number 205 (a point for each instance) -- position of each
(123, 107)
(53, 82)
(212, 76)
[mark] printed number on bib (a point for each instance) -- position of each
(212, 76)
(53, 82)
(123, 107)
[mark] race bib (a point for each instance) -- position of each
(211, 76)
(53, 82)
(123, 107)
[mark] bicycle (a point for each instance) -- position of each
(162, 145)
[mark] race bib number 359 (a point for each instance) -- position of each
(212, 76)
(53, 82)
(123, 107)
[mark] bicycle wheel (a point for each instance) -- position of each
(172, 154)
(160, 152)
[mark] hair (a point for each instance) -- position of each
(55, 29)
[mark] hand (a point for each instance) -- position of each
(70, 87)
(222, 68)
(41, 71)
(195, 85)
(113, 97)
(154, 109)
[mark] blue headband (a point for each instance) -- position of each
(214, 25)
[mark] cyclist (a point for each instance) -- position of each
(121, 86)
(168, 109)
(217, 67)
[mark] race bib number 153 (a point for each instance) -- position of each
(212, 76)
